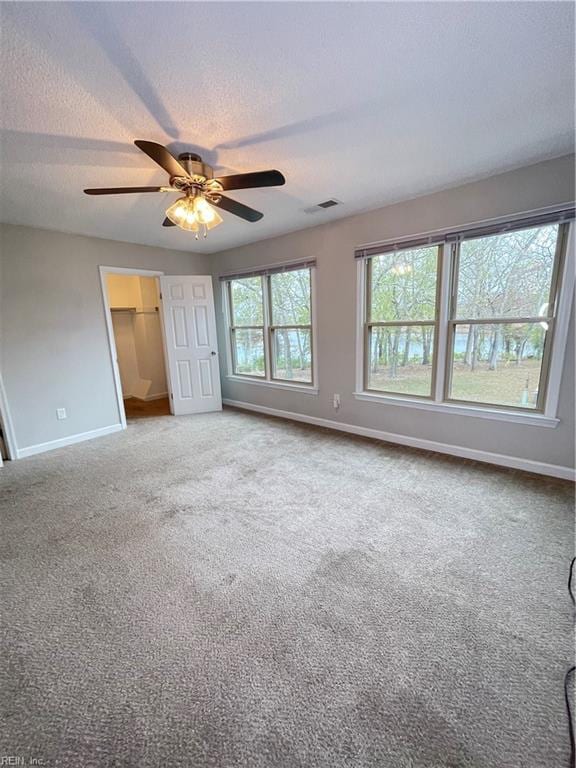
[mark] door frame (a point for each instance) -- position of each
(128, 271)
(7, 426)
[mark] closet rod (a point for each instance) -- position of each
(135, 311)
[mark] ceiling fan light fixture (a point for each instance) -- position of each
(193, 214)
(182, 214)
(190, 176)
(205, 213)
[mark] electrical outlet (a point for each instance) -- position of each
(61, 413)
(336, 402)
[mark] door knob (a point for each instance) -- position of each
(212, 353)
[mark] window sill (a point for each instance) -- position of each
(306, 389)
(480, 412)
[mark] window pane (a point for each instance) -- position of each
(498, 364)
(247, 301)
(400, 359)
(291, 297)
(403, 285)
(249, 351)
(506, 275)
(292, 354)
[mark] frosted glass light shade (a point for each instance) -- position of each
(182, 214)
(193, 213)
(206, 214)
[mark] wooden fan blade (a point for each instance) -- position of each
(238, 209)
(168, 223)
(122, 190)
(160, 155)
(252, 180)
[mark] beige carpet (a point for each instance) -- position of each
(228, 590)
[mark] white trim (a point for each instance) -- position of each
(148, 398)
(562, 322)
(306, 388)
(513, 462)
(132, 271)
(360, 321)
(481, 412)
(7, 426)
(31, 450)
(314, 321)
(227, 323)
(110, 328)
(441, 339)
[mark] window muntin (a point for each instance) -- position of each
(402, 318)
(246, 301)
(510, 278)
(271, 326)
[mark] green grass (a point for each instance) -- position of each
(504, 386)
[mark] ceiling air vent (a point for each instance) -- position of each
(322, 206)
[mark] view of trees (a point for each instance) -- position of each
(505, 277)
(290, 312)
(499, 319)
(290, 308)
(403, 288)
(248, 310)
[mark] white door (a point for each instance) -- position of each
(191, 349)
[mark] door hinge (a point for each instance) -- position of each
(160, 295)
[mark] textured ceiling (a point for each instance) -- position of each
(366, 102)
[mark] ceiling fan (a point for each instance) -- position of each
(194, 211)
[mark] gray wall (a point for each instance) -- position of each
(54, 346)
(536, 186)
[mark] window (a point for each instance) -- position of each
(247, 326)
(465, 318)
(501, 318)
(402, 316)
(271, 331)
(291, 325)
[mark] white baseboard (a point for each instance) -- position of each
(146, 399)
(513, 462)
(159, 396)
(31, 450)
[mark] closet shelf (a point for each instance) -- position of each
(134, 311)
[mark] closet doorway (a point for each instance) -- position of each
(134, 304)
(163, 345)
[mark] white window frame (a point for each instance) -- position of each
(546, 418)
(268, 380)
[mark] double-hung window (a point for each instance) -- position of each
(465, 318)
(271, 324)
(246, 303)
(402, 316)
(501, 326)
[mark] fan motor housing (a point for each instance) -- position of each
(194, 165)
